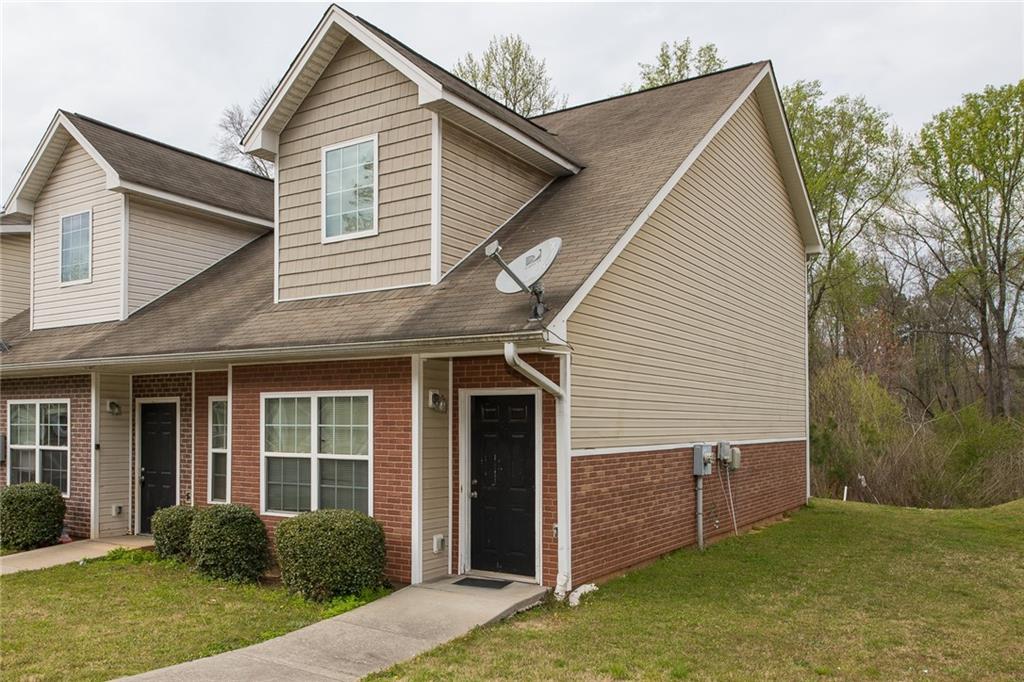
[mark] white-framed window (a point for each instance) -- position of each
(76, 247)
(316, 452)
(348, 181)
(219, 462)
(39, 442)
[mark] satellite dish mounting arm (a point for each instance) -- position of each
(493, 251)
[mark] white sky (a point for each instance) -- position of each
(167, 70)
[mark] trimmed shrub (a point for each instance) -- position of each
(331, 552)
(171, 529)
(31, 515)
(228, 541)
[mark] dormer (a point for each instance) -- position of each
(115, 220)
(389, 169)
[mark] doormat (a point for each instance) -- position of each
(483, 582)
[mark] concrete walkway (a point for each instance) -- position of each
(55, 555)
(370, 638)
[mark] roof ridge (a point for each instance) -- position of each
(656, 87)
(432, 62)
(151, 140)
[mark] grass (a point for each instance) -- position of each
(130, 612)
(838, 591)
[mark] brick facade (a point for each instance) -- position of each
(391, 382)
(631, 508)
(77, 389)
(208, 384)
(492, 372)
(178, 385)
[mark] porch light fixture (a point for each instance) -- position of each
(113, 407)
(436, 400)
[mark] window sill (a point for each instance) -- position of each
(346, 237)
(75, 282)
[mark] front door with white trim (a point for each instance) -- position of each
(158, 475)
(503, 484)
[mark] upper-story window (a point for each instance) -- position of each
(349, 182)
(75, 247)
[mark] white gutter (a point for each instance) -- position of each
(360, 347)
(530, 372)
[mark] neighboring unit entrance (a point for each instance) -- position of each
(502, 484)
(158, 454)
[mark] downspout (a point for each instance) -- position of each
(700, 512)
(563, 580)
(530, 372)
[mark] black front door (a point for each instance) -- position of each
(158, 468)
(502, 511)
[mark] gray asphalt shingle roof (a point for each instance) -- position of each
(159, 166)
(630, 146)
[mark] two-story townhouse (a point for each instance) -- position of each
(338, 341)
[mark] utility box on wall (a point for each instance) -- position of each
(702, 459)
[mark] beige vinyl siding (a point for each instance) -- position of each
(435, 471)
(114, 468)
(168, 246)
(77, 184)
(14, 274)
(696, 331)
(357, 95)
(481, 187)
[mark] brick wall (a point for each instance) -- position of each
(77, 389)
(178, 385)
(391, 382)
(630, 508)
(207, 384)
(492, 372)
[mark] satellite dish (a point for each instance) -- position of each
(524, 273)
(529, 267)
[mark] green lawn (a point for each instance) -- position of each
(130, 613)
(844, 591)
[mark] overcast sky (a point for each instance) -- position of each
(167, 70)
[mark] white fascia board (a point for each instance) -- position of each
(508, 130)
(19, 205)
(9, 205)
(429, 89)
(798, 194)
(560, 320)
(136, 188)
(59, 121)
(16, 229)
(301, 353)
(264, 144)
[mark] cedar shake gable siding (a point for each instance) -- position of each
(358, 94)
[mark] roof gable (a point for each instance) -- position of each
(438, 90)
(631, 146)
(764, 88)
(132, 163)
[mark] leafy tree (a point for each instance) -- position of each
(234, 123)
(854, 164)
(970, 161)
(678, 62)
(509, 72)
